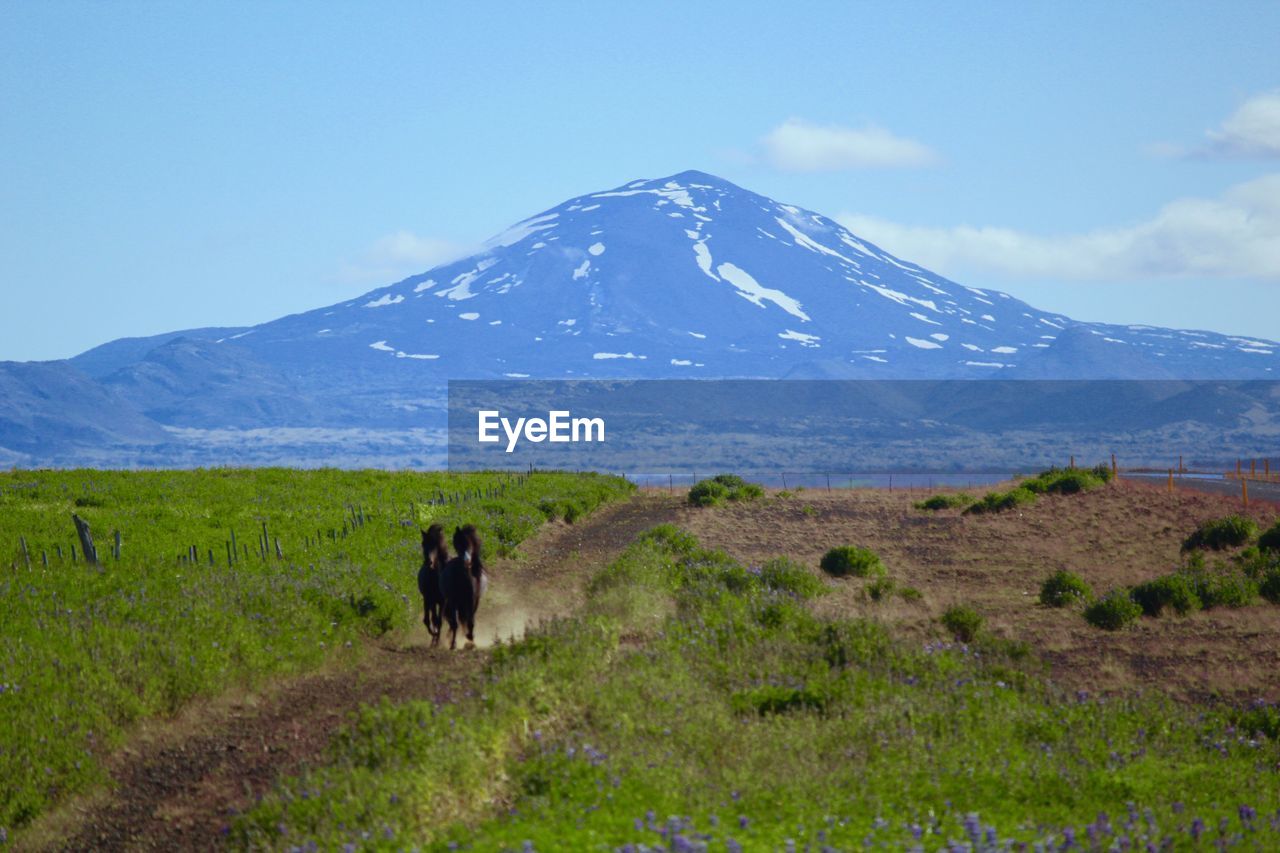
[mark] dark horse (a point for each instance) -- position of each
(435, 553)
(462, 581)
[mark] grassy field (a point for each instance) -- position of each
(87, 650)
(702, 702)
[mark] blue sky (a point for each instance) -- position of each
(167, 166)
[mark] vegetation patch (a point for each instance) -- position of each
(1001, 501)
(1065, 589)
(723, 487)
(1221, 533)
(852, 561)
(1113, 611)
(1270, 539)
(1175, 591)
(963, 622)
(1055, 481)
(959, 500)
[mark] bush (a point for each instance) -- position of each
(1220, 533)
(963, 622)
(1001, 501)
(1269, 586)
(1113, 611)
(723, 487)
(959, 499)
(1063, 588)
(708, 493)
(1222, 588)
(851, 560)
(1270, 541)
(1173, 591)
(1068, 481)
(786, 575)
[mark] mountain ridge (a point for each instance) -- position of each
(685, 276)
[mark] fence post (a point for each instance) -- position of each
(26, 557)
(1073, 461)
(1244, 492)
(1170, 481)
(86, 539)
(1114, 471)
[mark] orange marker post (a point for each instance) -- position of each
(1244, 492)
(1170, 481)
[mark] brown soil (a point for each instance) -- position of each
(1122, 534)
(179, 782)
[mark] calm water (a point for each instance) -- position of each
(903, 480)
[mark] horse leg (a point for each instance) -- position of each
(452, 615)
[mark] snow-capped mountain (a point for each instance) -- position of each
(692, 276)
(687, 276)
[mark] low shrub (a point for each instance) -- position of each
(1269, 586)
(850, 560)
(1222, 588)
(1173, 591)
(1219, 533)
(1064, 481)
(1001, 501)
(1255, 562)
(956, 501)
(1270, 540)
(1113, 611)
(723, 487)
(963, 622)
(1063, 589)
(707, 493)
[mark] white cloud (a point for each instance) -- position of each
(799, 146)
(1236, 235)
(401, 254)
(1253, 130)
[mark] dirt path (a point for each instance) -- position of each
(179, 781)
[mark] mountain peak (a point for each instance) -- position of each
(692, 276)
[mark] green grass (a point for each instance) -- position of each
(692, 703)
(85, 650)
